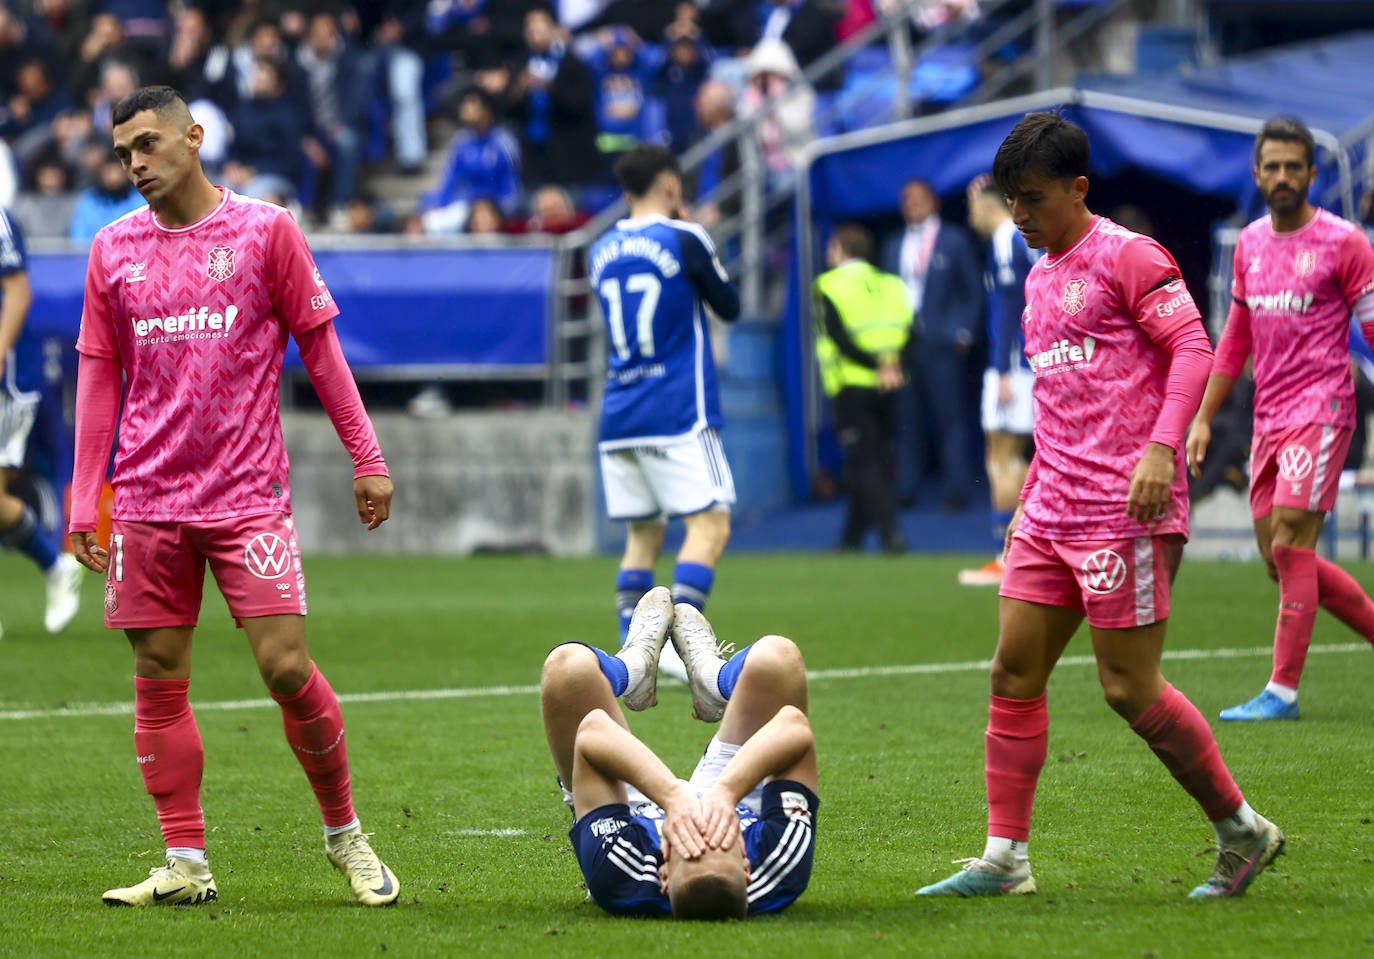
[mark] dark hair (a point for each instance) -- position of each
(711, 897)
(638, 168)
(854, 240)
(165, 101)
(488, 102)
(1042, 144)
(1287, 130)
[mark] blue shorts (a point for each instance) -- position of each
(619, 853)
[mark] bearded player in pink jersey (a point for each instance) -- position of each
(188, 307)
(1120, 358)
(1300, 273)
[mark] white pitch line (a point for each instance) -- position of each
(501, 831)
(83, 710)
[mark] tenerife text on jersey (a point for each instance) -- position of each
(198, 323)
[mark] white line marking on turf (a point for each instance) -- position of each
(82, 710)
(503, 831)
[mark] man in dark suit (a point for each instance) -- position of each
(940, 265)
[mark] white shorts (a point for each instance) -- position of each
(652, 482)
(17, 415)
(1018, 416)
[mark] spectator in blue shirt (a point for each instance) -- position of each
(483, 161)
(111, 197)
(622, 68)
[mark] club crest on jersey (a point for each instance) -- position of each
(795, 806)
(1104, 571)
(136, 273)
(1305, 263)
(1075, 296)
(220, 263)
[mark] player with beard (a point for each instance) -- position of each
(1300, 274)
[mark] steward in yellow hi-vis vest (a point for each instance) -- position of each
(862, 320)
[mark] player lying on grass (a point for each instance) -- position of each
(735, 840)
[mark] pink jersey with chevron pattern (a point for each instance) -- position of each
(198, 318)
(1093, 316)
(1293, 294)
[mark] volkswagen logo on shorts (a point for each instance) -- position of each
(1295, 462)
(1104, 571)
(267, 556)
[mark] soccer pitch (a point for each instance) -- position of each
(437, 663)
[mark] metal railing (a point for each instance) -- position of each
(751, 238)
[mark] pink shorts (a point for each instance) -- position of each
(1115, 583)
(1299, 468)
(157, 570)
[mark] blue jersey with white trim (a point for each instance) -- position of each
(24, 364)
(654, 276)
(618, 851)
(1009, 260)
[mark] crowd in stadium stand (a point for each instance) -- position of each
(307, 102)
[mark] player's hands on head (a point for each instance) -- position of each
(1199, 438)
(372, 494)
(682, 833)
(1152, 483)
(88, 552)
(721, 825)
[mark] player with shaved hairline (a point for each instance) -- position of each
(188, 306)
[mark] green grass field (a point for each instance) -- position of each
(437, 660)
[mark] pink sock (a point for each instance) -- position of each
(170, 757)
(1298, 601)
(1016, 740)
(315, 730)
(1183, 741)
(1342, 597)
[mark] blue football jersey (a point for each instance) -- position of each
(618, 850)
(24, 364)
(654, 277)
(1009, 260)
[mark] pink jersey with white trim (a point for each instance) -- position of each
(1093, 316)
(198, 318)
(1297, 290)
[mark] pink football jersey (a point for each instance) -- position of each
(198, 318)
(1093, 316)
(1293, 296)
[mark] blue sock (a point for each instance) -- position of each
(616, 672)
(27, 538)
(1001, 519)
(692, 584)
(729, 673)
(630, 587)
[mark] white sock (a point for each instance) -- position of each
(1237, 827)
(1007, 853)
(331, 831)
(187, 854)
(712, 763)
(1288, 695)
(634, 669)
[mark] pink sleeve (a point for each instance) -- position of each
(96, 337)
(1192, 361)
(299, 295)
(1236, 342)
(99, 381)
(1355, 268)
(1152, 289)
(324, 361)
